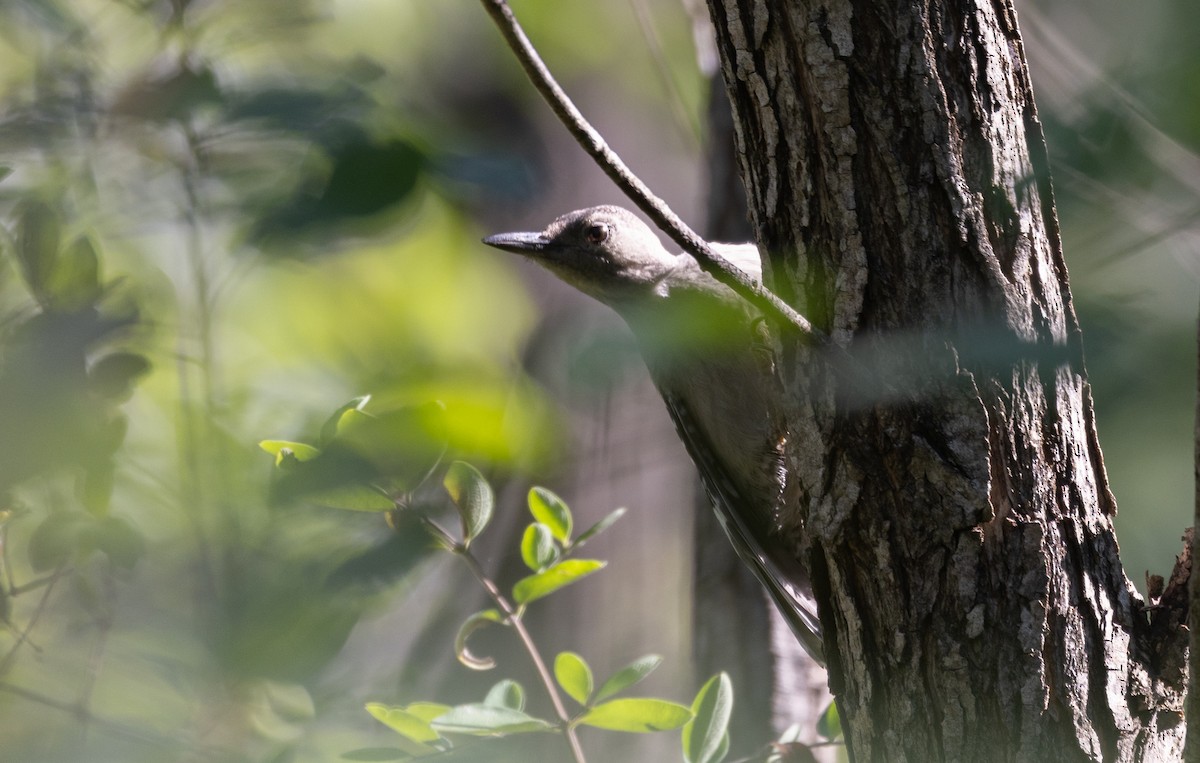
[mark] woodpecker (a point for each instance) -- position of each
(704, 347)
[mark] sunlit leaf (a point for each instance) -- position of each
(330, 428)
(638, 715)
(472, 624)
(829, 725)
(473, 497)
(537, 547)
(545, 583)
(488, 720)
(599, 527)
(426, 711)
(506, 693)
(628, 675)
(403, 722)
(284, 449)
(574, 676)
(551, 511)
(712, 709)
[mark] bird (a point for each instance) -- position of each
(705, 348)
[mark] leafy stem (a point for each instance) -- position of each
(513, 616)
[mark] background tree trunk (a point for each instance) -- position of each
(952, 500)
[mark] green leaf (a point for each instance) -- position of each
(712, 709)
(37, 240)
(537, 547)
(119, 540)
(629, 675)
(638, 715)
(330, 428)
(488, 720)
(403, 722)
(562, 574)
(574, 676)
(113, 376)
(506, 693)
(426, 711)
(353, 498)
(75, 281)
(829, 725)
(551, 511)
(56, 539)
(599, 527)
(473, 497)
(472, 624)
(285, 450)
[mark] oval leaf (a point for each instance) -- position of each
(472, 624)
(574, 676)
(829, 725)
(75, 281)
(506, 693)
(284, 450)
(426, 711)
(488, 720)
(562, 574)
(353, 498)
(329, 429)
(712, 709)
(551, 511)
(37, 241)
(629, 675)
(403, 722)
(638, 715)
(599, 527)
(472, 495)
(537, 547)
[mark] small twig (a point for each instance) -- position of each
(33, 585)
(658, 211)
(23, 637)
(511, 615)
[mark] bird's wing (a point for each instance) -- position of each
(783, 576)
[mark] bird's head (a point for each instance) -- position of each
(606, 252)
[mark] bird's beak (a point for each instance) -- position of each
(528, 244)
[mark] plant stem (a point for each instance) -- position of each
(512, 616)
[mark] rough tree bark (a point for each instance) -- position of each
(951, 496)
(778, 684)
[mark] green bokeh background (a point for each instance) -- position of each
(286, 200)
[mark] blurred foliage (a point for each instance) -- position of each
(217, 217)
(1115, 87)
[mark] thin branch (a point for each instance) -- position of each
(23, 637)
(512, 616)
(638, 192)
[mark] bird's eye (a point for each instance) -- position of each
(596, 233)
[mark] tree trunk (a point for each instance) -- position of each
(737, 628)
(951, 496)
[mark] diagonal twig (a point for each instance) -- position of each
(655, 208)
